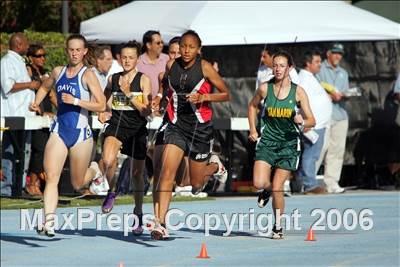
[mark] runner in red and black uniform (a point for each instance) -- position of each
(189, 129)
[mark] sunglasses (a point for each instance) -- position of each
(39, 55)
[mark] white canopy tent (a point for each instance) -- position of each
(241, 22)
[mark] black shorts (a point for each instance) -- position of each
(196, 141)
(134, 141)
(160, 135)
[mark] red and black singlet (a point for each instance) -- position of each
(181, 82)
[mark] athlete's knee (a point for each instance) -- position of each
(52, 178)
(260, 184)
(167, 174)
(196, 184)
(51, 181)
(77, 185)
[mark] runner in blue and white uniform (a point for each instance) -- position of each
(78, 91)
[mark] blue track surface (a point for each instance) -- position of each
(90, 247)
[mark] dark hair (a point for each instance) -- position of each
(194, 34)
(148, 38)
(286, 55)
(308, 57)
(132, 44)
(174, 40)
(270, 50)
(77, 37)
(116, 50)
(33, 48)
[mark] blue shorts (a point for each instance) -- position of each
(71, 136)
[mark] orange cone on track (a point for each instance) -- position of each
(203, 252)
(310, 235)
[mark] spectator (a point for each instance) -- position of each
(152, 62)
(321, 107)
(336, 81)
(116, 65)
(173, 47)
(16, 95)
(104, 60)
(396, 88)
(265, 74)
(37, 58)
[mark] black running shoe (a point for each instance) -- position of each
(263, 198)
(277, 234)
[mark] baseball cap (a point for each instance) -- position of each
(337, 48)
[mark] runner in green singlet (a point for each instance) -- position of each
(278, 147)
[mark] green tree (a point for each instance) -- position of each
(42, 15)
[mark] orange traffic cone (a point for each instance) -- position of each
(203, 252)
(310, 235)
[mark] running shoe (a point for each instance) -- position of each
(222, 174)
(186, 191)
(263, 198)
(99, 184)
(45, 230)
(139, 228)
(336, 190)
(159, 232)
(277, 234)
(197, 191)
(108, 202)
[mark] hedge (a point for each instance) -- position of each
(53, 42)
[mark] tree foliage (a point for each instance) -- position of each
(53, 42)
(45, 16)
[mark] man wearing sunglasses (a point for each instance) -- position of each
(152, 62)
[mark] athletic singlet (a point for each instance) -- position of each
(124, 113)
(181, 82)
(277, 123)
(68, 115)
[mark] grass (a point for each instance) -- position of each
(34, 203)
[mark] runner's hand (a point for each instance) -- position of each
(35, 108)
(155, 104)
(195, 98)
(67, 98)
(253, 136)
(104, 116)
(298, 119)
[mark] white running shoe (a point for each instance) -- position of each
(336, 190)
(46, 229)
(183, 191)
(159, 232)
(222, 174)
(99, 185)
(200, 195)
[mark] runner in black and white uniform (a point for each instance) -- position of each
(128, 93)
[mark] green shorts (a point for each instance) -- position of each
(283, 155)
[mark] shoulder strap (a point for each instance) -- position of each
(61, 73)
(136, 83)
(80, 75)
(114, 81)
